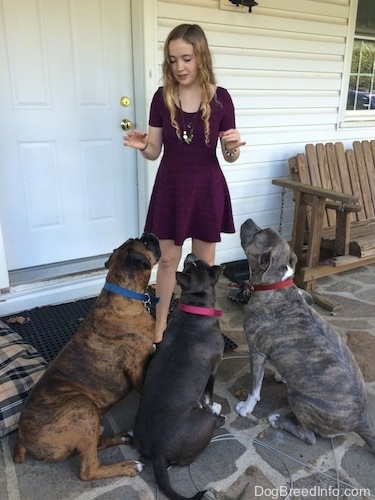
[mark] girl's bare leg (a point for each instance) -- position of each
(165, 283)
(204, 251)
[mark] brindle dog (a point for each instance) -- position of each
(326, 391)
(104, 360)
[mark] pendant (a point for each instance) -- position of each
(187, 138)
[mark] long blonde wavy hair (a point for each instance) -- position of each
(194, 35)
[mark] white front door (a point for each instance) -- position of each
(68, 187)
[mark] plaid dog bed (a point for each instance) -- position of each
(21, 366)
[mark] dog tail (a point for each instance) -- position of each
(162, 478)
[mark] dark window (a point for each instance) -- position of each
(361, 95)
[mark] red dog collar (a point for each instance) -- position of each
(270, 286)
(203, 311)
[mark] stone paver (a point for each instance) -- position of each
(247, 459)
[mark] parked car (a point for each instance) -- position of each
(360, 99)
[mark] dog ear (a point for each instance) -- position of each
(293, 260)
(107, 262)
(183, 279)
(264, 261)
(215, 272)
(277, 262)
(136, 259)
(272, 263)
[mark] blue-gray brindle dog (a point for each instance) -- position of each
(326, 391)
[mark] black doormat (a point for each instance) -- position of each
(237, 271)
(50, 327)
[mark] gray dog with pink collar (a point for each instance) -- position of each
(177, 417)
(326, 391)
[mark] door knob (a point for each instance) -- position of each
(126, 124)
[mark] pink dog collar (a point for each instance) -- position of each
(203, 311)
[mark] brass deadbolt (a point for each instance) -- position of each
(125, 101)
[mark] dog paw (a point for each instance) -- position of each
(241, 409)
(139, 465)
(221, 420)
(128, 438)
(279, 378)
(245, 408)
(273, 419)
(216, 408)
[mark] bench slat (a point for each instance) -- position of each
(370, 163)
(355, 186)
(314, 167)
(363, 180)
(338, 184)
(346, 186)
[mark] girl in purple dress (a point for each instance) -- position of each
(190, 198)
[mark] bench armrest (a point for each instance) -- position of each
(346, 207)
(350, 199)
(319, 199)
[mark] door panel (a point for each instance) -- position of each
(68, 187)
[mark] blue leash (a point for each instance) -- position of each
(145, 297)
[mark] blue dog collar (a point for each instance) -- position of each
(145, 297)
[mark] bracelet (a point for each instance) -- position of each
(230, 153)
(143, 149)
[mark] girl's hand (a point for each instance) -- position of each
(232, 139)
(135, 139)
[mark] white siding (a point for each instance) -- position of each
(283, 65)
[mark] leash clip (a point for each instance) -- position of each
(147, 301)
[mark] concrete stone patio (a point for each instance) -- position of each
(247, 459)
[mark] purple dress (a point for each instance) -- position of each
(190, 197)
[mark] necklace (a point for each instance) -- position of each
(187, 133)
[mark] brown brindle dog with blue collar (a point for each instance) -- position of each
(325, 387)
(104, 360)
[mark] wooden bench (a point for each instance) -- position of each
(334, 214)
